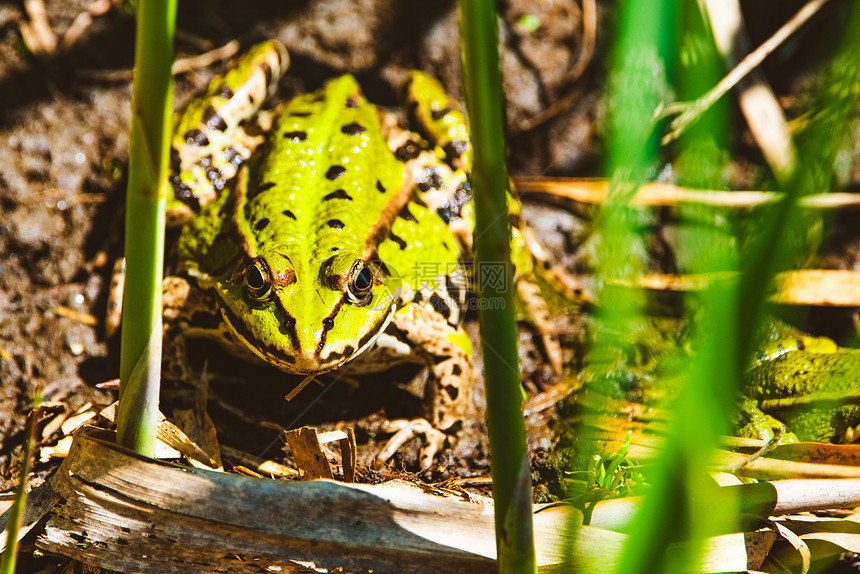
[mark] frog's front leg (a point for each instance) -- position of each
(448, 395)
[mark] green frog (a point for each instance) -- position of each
(328, 235)
(802, 387)
(808, 383)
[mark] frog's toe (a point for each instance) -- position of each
(406, 430)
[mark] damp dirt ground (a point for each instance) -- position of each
(64, 116)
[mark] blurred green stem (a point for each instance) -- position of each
(508, 455)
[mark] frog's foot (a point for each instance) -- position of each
(404, 431)
(419, 331)
(537, 309)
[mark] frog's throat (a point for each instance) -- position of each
(303, 361)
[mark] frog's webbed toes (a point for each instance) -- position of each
(406, 430)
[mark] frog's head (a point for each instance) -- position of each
(305, 320)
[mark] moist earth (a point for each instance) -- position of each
(63, 162)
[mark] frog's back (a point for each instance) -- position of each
(325, 200)
(313, 187)
(329, 183)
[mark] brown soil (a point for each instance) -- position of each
(63, 158)
(64, 125)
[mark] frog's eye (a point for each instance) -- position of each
(258, 280)
(360, 283)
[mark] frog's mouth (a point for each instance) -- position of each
(266, 352)
(302, 363)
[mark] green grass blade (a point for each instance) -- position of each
(16, 512)
(508, 456)
(682, 505)
(672, 509)
(152, 103)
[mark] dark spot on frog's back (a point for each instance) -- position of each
(440, 305)
(429, 179)
(406, 214)
(352, 102)
(453, 392)
(174, 159)
(416, 199)
(408, 151)
(334, 172)
(452, 288)
(380, 187)
(196, 138)
(257, 190)
(455, 148)
(289, 214)
(214, 120)
(446, 213)
(299, 114)
(338, 194)
(452, 208)
(261, 225)
(296, 136)
(225, 92)
(335, 223)
(185, 194)
(233, 156)
(353, 129)
(215, 177)
(437, 115)
(399, 241)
